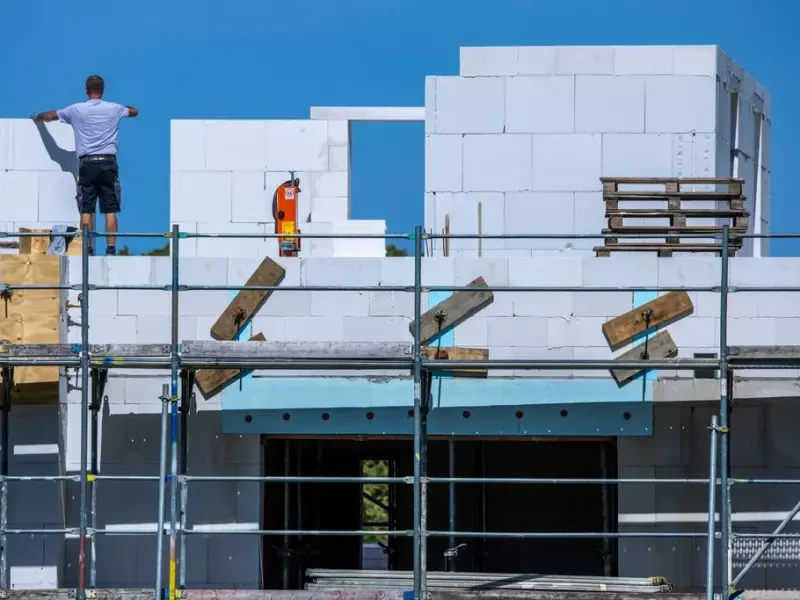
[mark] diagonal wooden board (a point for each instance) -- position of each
(211, 382)
(247, 302)
(455, 310)
(458, 353)
(659, 346)
(665, 309)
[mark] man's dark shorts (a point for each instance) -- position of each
(99, 179)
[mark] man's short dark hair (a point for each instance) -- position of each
(95, 84)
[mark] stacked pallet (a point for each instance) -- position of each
(681, 210)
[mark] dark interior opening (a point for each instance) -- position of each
(493, 507)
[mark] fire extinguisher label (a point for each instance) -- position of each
(290, 193)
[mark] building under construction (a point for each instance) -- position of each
(591, 407)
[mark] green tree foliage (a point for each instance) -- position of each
(164, 251)
(371, 511)
(124, 251)
(392, 250)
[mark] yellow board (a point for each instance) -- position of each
(39, 244)
(31, 317)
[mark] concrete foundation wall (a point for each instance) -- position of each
(527, 133)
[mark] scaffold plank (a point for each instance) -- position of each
(299, 350)
(452, 311)
(459, 353)
(248, 302)
(211, 382)
(658, 347)
(661, 311)
(770, 354)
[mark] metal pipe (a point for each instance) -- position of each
(569, 534)
(299, 515)
(8, 374)
(724, 463)
(162, 491)
(765, 546)
(605, 493)
(559, 480)
(680, 364)
(93, 454)
(419, 577)
(285, 551)
(84, 357)
(186, 394)
(173, 483)
(311, 236)
(712, 507)
(297, 479)
(484, 524)
(451, 492)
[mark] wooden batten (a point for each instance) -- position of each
(39, 244)
(31, 317)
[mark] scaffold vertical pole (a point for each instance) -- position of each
(724, 439)
(285, 549)
(451, 505)
(99, 377)
(187, 385)
(8, 386)
(605, 502)
(712, 507)
(162, 490)
(419, 541)
(84, 490)
(173, 478)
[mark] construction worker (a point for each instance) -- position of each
(96, 126)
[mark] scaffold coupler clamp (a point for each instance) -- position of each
(453, 552)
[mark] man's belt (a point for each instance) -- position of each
(99, 157)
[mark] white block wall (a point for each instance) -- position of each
(224, 174)
(534, 128)
(37, 175)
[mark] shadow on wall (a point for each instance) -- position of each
(66, 159)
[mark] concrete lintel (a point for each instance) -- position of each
(695, 391)
(368, 113)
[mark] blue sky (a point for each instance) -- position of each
(268, 59)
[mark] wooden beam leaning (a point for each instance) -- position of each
(659, 312)
(247, 302)
(458, 353)
(658, 347)
(211, 382)
(452, 311)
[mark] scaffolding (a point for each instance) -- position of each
(182, 359)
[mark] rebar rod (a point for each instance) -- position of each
(725, 524)
(712, 507)
(84, 357)
(173, 482)
(419, 540)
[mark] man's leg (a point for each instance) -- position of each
(87, 198)
(110, 193)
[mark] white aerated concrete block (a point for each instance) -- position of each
(158, 329)
(330, 185)
(517, 331)
(694, 332)
(576, 332)
(5, 128)
(537, 60)
(473, 332)
(612, 271)
(567, 162)
(443, 163)
(772, 272)
(40, 147)
(315, 329)
(680, 104)
(493, 60)
(696, 60)
(601, 304)
(329, 210)
(187, 145)
(495, 273)
(694, 271)
(467, 105)
(585, 60)
(609, 104)
(637, 155)
(590, 218)
(545, 272)
(377, 329)
(280, 303)
(752, 332)
(462, 210)
(236, 247)
(251, 200)
(188, 247)
(338, 133)
(236, 145)
(430, 211)
(200, 196)
(344, 271)
(539, 213)
(430, 104)
(393, 304)
(339, 304)
(19, 191)
(788, 332)
(543, 304)
(57, 193)
(497, 163)
(399, 271)
(643, 60)
(339, 158)
(297, 145)
(359, 247)
(105, 329)
(543, 104)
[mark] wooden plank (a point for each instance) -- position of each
(211, 382)
(664, 213)
(31, 317)
(656, 195)
(453, 310)
(247, 302)
(34, 245)
(663, 310)
(458, 353)
(676, 229)
(658, 347)
(679, 180)
(733, 246)
(300, 350)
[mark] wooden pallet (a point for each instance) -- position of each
(679, 206)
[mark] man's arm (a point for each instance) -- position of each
(132, 112)
(47, 116)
